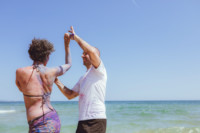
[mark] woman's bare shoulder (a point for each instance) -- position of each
(24, 69)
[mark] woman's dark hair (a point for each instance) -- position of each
(40, 49)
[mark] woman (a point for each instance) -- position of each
(36, 81)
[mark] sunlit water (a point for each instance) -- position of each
(122, 117)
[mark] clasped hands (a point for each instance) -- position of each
(67, 36)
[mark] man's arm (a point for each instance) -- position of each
(92, 51)
(70, 94)
(58, 71)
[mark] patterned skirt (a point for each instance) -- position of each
(47, 123)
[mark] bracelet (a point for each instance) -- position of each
(72, 36)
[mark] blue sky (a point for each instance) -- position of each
(150, 48)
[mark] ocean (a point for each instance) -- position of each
(122, 116)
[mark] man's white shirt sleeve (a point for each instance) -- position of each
(100, 69)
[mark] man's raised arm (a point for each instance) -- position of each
(90, 50)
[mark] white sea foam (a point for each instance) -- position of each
(190, 131)
(7, 111)
(198, 130)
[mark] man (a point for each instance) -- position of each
(90, 88)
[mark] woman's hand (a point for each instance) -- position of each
(67, 37)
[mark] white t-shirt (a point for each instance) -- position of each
(91, 88)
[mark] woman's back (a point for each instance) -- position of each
(35, 83)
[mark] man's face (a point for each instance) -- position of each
(86, 59)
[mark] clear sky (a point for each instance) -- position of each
(150, 48)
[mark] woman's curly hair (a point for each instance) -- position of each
(40, 49)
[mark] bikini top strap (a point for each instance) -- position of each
(34, 67)
(44, 96)
(33, 95)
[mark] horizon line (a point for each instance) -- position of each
(113, 100)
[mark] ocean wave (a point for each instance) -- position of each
(7, 111)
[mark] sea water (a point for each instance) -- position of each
(122, 116)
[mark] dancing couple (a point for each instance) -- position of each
(36, 82)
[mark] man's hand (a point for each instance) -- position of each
(58, 83)
(56, 80)
(72, 33)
